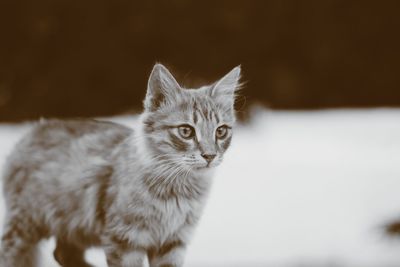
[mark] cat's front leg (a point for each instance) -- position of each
(125, 258)
(121, 253)
(171, 254)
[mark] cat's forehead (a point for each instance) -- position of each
(202, 110)
(196, 106)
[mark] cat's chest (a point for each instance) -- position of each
(172, 215)
(156, 222)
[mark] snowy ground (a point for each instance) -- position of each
(296, 189)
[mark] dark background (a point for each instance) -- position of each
(63, 58)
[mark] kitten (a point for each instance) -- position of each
(136, 193)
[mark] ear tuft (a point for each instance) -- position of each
(228, 84)
(224, 90)
(161, 88)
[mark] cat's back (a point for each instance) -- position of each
(53, 147)
(49, 134)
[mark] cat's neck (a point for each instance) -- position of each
(172, 180)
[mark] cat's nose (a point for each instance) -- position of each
(209, 157)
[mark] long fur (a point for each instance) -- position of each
(136, 193)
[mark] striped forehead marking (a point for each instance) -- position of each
(205, 118)
(204, 112)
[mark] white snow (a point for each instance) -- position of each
(295, 189)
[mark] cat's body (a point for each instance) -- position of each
(136, 193)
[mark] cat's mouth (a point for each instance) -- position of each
(207, 166)
(204, 167)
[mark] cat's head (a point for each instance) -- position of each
(191, 127)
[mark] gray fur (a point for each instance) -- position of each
(136, 193)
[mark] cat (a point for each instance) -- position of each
(136, 193)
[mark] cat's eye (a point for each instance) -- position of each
(186, 131)
(221, 132)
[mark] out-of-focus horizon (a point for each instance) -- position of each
(92, 58)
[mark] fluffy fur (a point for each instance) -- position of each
(136, 193)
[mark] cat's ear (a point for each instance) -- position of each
(161, 88)
(224, 89)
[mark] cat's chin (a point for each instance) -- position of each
(205, 169)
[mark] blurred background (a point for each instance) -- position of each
(312, 178)
(89, 58)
